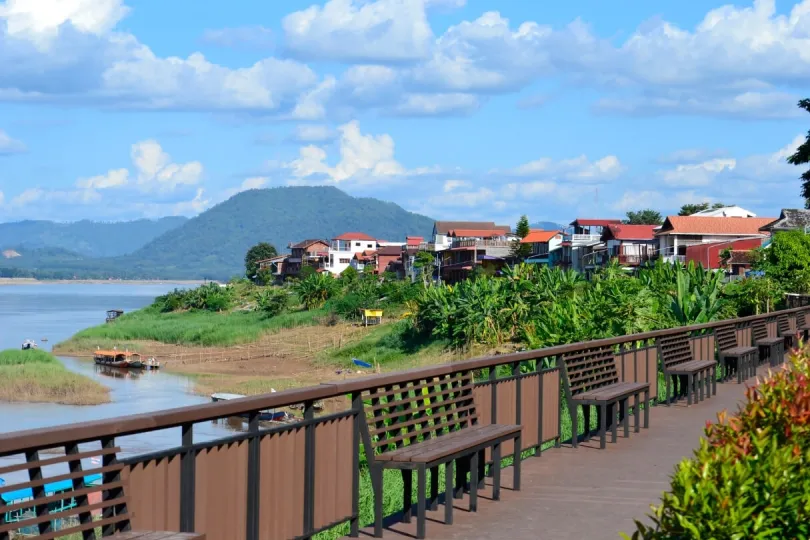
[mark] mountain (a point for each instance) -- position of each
(548, 226)
(213, 244)
(87, 238)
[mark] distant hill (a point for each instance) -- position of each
(548, 226)
(87, 238)
(213, 244)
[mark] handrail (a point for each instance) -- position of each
(20, 441)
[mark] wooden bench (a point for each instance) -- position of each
(591, 378)
(770, 348)
(421, 424)
(678, 364)
(802, 325)
(67, 498)
(730, 354)
(784, 331)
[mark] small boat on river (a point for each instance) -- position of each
(29, 344)
(119, 359)
(267, 415)
(151, 363)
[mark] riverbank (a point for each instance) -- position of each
(33, 281)
(36, 376)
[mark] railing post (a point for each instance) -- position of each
(493, 387)
(558, 440)
(357, 407)
(108, 478)
(253, 478)
(309, 469)
(540, 384)
(187, 479)
(35, 473)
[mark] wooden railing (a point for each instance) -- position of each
(294, 480)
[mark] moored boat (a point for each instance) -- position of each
(151, 363)
(267, 415)
(119, 359)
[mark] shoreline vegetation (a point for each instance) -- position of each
(35, 376)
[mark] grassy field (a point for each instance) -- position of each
(37, 376)
(192, 328)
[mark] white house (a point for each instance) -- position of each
(726, 211)
(679, 232)
(343, 248)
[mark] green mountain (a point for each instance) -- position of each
(87, 238)
(213, 244)
(548, 226)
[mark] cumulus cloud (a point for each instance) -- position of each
(156, 171)
(579, 169)
(452, 185)
(114, 178)
(310, 133)
(254, 37)
(10, 146)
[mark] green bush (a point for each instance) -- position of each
(272, 301)
(749, 479)
(208, 297)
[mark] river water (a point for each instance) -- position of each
(56, 312)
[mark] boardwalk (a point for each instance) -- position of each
(587, 492)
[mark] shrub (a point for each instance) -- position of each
(272, 301)
(749, 477)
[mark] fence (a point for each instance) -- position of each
(292, 481)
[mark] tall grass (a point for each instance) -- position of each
(37, 376)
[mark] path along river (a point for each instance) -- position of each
(56, 312)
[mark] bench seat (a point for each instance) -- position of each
(691, 367)
(770, 348)
(696, 378)
(612, 392)
(146, 535)
(461, 441)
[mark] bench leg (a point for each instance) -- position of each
(669, 388)
(421, 486)
(434, 488)
(516, 463)
(461, 477)
(482, 468)
(407, 495)
(637, 412)
(602, 425)
(474, 482)
(448, 493)
(496, 472)
(572, 412)
(626, 417)
(702, 378)
(646, 408)
(586, 414)
(689, 379)
(377, 484)
(614, 423)
(714, 380)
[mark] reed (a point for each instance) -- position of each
(37, 376)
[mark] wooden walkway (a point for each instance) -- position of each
(587, 492)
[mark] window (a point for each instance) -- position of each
(331, 260)
(345, 261)
(357, 244)
(368, 245)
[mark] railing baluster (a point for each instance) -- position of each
(187, 479)
(357, 407)
(309, 469)
(253, 478)
(75, 466)
(35, 473)
(538, 367)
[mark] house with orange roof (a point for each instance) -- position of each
(545, 246)
(678, 233)
(631, 245)
(471, 245)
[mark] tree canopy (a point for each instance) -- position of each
(647, 216)
(802, 157)
(257, 253)
(694, 208)
(522, 230)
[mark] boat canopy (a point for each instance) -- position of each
(54, 487)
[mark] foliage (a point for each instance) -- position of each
(689, 209)
(349, 275)
(725, 257)
(521, 251)
(644, 217)
(755, 295)
(802, 157)
(208, 297)
(424, 261)
(787, 260)
(315, 290)
(749, 477)
(272, 301)
(259, 252)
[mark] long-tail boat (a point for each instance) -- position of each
(119, 359)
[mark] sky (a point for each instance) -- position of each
(457, 109)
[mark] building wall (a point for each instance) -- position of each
(709, 255)
(341, 253)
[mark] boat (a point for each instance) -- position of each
(267, 415)
(151, 363)
(29, 344)
(119, 359)
(26, 494)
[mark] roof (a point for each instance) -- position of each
(739, 256)
(306, 243)
(588, 222)
(718, 226)
(354, 236)
(789, 219)
(276, 258)
(726, 211)
(477, 233)
(414, 240)
(444, 227)
(126, 354)
(50, 489)
(390, 250)
(630, 232)
(538, 236)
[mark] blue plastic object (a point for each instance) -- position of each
(361, 363)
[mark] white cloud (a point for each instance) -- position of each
(691, 155)
(360, 31)
(10, 146)
(155, 169)
(37, 195)
(308, 133)
(114, 178)
(256, 37)
(700, 174)
(464, 198)
(452, 185)
(436, 104)
(577, 169)
(361, 156)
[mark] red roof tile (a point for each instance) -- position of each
(631, 232)
(414, 240)
(587, 222)
(538, 236)
(477, 233)
(720, 226)
(354, 236)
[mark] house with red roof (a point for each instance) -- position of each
(471, 244)
(343, 248)
(631, 245)
(545, 245)
(581, 248)
(678, 233)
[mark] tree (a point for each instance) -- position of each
(644, 217)
(521, 251)
(423, 260)
(802, 157)
(257, 253)
(689, 209)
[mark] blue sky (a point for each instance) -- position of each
(119, 109)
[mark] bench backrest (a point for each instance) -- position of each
(801, 319)
(674, 350)
(726, 337)
(783, 324)
(759, 329)
(51, 496)
(589, 369)
(421, 409)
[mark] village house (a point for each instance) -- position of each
(311, 252)
(679, 232)
(443, 239)
(546, 246)
(275, 265)
(383, 259)
(725, 211)
(578, 246)
(711, 255)
(469, 248)
(790, 219)
(631, 245)
(343, 248)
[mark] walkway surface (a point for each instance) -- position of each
(585, 492)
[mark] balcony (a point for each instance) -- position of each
(481, 243)
(584, 238)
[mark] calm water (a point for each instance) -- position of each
(56, 312)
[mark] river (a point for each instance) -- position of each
(56, 312)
